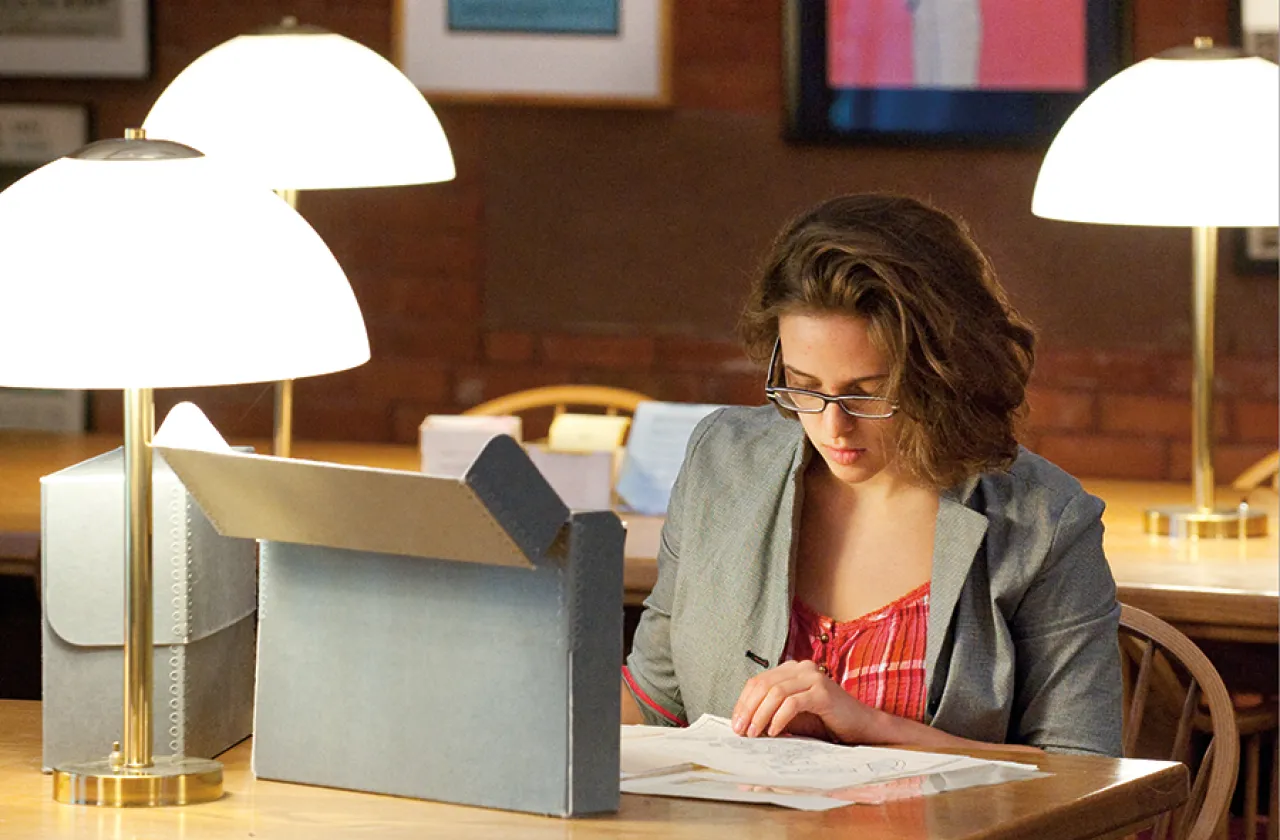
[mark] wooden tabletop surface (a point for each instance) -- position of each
(1226, 589)
(1084, 797)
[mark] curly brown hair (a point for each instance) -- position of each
(960, 355)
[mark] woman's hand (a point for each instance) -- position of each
(796, 697)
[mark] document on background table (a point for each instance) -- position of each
(708, 761)
(659, 435)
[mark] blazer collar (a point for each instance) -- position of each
(958, 535)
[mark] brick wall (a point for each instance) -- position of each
(417, 252)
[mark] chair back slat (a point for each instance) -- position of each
(1138, 702)
(1182, 737)
(1199, 791)
(1169, 666)
(1161, 829)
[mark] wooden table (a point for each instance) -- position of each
(1085, 797)
(1224, 589)
(27, 456)
(1218, 589)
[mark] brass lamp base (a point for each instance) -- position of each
(169, 780)
(1190, 522)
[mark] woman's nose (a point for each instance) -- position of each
(837, 420)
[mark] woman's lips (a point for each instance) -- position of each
(843, 457)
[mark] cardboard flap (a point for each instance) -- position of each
(501, 512)
(203, 583)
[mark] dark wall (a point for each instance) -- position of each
(613, 246)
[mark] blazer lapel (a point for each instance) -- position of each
(957, 537)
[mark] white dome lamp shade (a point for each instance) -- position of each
(127, 265)
(301, 108)
(1189, 138)
(296, 107)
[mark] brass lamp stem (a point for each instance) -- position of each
(139, 427)
(282, 432)
(134, 776)
(1202, 518)
(1204, 258)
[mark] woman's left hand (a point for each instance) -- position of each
(796, 697)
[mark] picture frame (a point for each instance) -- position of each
(915, 72)
(31, 135)
(108, 39)
(578, 53)
(1255, 28)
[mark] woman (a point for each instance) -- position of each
(877, 560)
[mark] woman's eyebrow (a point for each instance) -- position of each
(844, 386)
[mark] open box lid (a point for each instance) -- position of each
(501, 512)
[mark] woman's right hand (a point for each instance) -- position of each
(797, 698)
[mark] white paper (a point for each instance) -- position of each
(710, 786)
(583, 480)
(449, 443)
(186, 427)
(707, 760)
(659, 436)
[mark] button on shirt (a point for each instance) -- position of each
(878, 658)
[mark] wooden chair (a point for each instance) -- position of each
(537, 407)
(1265, 471)
(560, 398)
(1253, 722)
(1161, 663)
(1257, 719)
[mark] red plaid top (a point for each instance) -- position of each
(878, 658)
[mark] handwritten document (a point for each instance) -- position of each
(708, 761)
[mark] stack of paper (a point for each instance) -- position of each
(578, 458)
(708, 761)
(449, 443)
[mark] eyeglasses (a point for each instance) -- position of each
(803, 401)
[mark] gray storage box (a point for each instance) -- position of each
(456, 639)
(203, 617)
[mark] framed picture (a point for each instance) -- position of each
(965, 72)
(32, 134)
(610, 53)
(1255, 27)
(99, 39)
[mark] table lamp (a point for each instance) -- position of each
(1189, 138)
(300, 108)
(131, 264)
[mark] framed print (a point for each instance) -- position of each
(34, 133)
(31, 135)
(91, 40)
(968, 72)
(611, 53)
(1255, 28)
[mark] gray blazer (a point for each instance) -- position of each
(1022, 645)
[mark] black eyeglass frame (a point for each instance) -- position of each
(772, 391)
